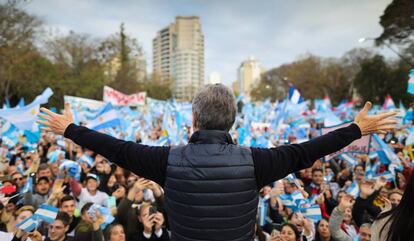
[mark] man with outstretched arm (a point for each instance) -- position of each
(211, 185)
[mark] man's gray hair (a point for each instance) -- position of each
(214, 108)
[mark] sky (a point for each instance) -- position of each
(273, 31)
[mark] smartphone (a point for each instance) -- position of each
(152, 210)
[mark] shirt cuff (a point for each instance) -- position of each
(158, 233)
(146, 235)
(355, 128)
(68, 133)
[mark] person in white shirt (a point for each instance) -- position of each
(90, 193)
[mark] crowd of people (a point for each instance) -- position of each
(88, 190)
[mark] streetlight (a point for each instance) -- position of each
(361, 40)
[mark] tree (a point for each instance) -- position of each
(313, 76)
(124, 57)
(157, 88)
(398, 83)
(271, 86)
(397, 22)
(374, 81)
(17, 51)
(79, 71)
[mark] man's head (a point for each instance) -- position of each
(59, 227)
(92, 182)
(42, 185)
(84, 212)
(317, 176)
(68, 205)
(44, 171)
(365, 232)
(18, 178)
(395, 197)
(23, 213)
(214, 108)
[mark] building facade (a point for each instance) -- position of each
(178, 55)
(248, 75)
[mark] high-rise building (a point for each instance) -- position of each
(178, 54)
(248, 75)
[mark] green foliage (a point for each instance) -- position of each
(157, 88)
(376, 79)
(397, 22)
(314, 76)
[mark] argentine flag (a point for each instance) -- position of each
(353, 190)
(387, 175)
(8, 129)
(410, 88)
(349, 159)
(106, 117)
(386, 154)
(313, 212)
(294, 95)
(46, 213)
(24, 117)
(29, 224)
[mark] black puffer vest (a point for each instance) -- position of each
(210, 189)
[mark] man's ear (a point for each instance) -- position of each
(194, 123)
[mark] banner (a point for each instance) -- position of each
(117, 98)
(358, 146)
(77, 102)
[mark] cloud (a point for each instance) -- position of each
(275, 32)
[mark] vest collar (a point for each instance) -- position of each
(211, 137)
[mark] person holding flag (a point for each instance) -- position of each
(211, 185)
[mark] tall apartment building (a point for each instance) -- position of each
(178, 54)
(248, 75)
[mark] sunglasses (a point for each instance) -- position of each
(20, 179)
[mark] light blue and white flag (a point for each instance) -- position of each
(386, 154)
(107, 117)
(262, 209)
(29, 224)
(353, 190)
(8, 129)
(72, 168)
(24, 117)
(313, 212)
(352, 161)
(410, 87)
(331, 119)
(287, 201)
(46, 213)
(387, 175)
(86, 159)
(294, 95)
(104, 211)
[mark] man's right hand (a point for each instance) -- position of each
(379, 123)
(54, 122)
